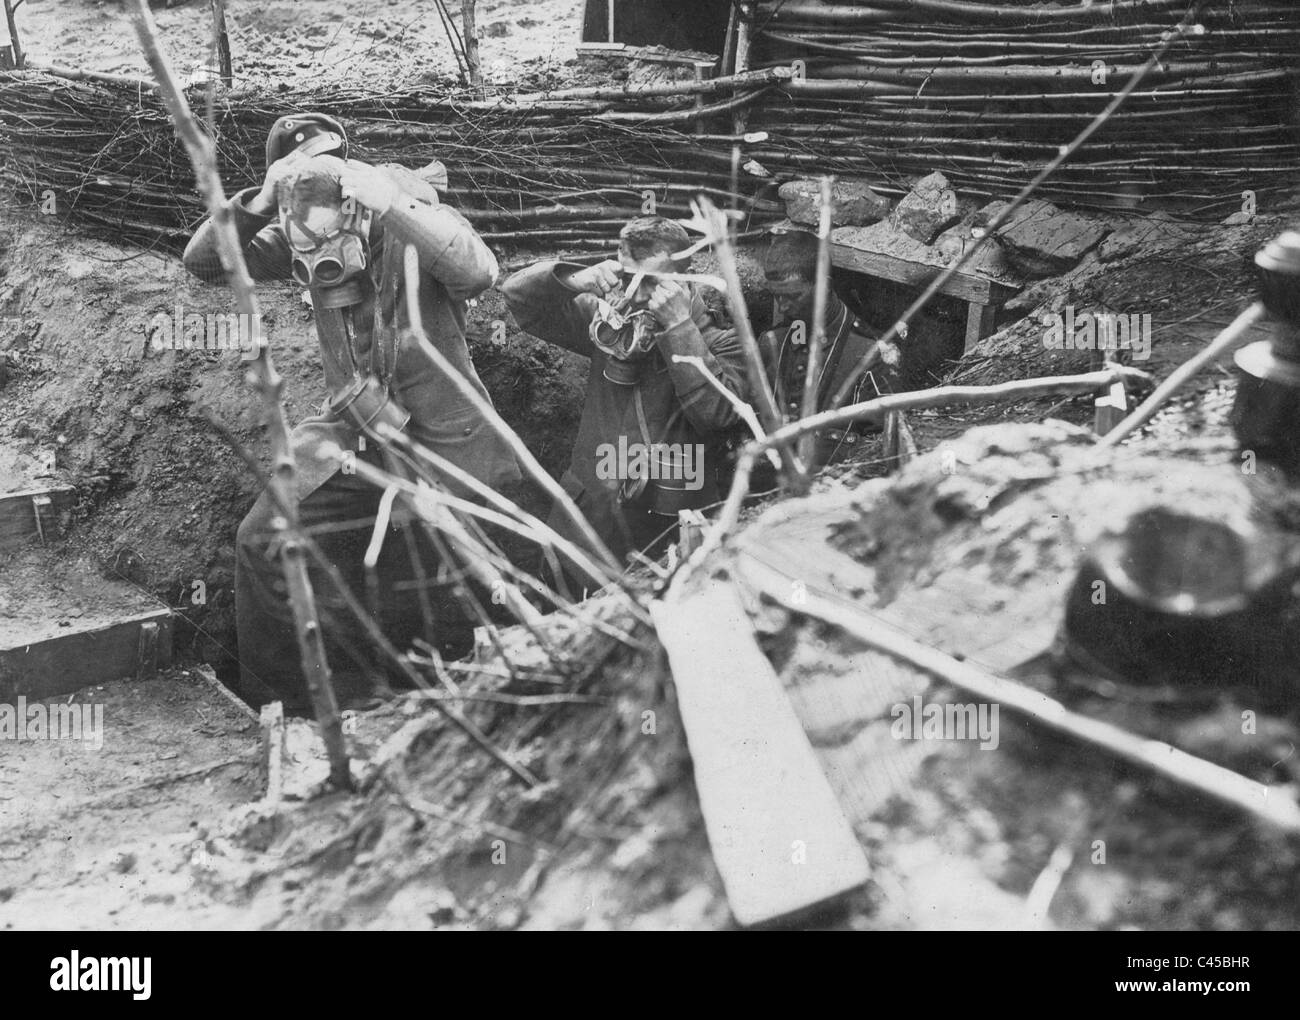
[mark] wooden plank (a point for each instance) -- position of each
(80, 658)
(979, 324)
(900, 444)
(23, 515)
(1110, 409)
(778, 834)
(273, 752)
(848, 253)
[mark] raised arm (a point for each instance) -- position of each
(265, 249)
(689, 329)
(549, 301)
(450, 249)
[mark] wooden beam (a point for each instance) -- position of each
(779, 836)
(224, 61)
(979, 324)
(91, 655)
(32, 513)
(469, 29)
(971, 287)
(273, 752)
(14, 41)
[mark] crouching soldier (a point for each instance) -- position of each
(790, 271)
(340, 228)
(650, 440)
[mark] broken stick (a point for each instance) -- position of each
(1274, 806)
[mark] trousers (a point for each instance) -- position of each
(339, 516)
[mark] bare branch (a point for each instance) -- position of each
(269, 385)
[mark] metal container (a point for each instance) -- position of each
(1169, 598)
(1266, 414)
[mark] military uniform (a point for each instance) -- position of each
(370, 337)
(847, 342)
(670, 404)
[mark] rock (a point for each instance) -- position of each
(853, 203)
(1042, 241)
(927, 210)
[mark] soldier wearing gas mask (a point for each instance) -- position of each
(340, 229)
(652, 430)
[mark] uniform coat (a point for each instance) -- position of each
(680, 406)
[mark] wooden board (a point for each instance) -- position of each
(26, 515)
(778, 834)
(55, 666)
(848, 252)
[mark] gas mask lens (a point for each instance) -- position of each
(331, 258)
(328, 269)
(622, 335)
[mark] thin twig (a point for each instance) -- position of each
(270, 386)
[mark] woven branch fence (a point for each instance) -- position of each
(888, 90)
(988, 92)
(558, 172)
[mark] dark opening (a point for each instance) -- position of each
(677, 24)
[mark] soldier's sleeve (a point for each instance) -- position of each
(450, 249)
(265, 250)
(720, 351)
(546, 307)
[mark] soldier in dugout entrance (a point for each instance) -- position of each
(790, 272)
(630, 315)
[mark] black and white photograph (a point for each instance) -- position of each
(650, 465)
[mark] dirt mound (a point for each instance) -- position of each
(125, 423)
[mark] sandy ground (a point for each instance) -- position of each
(306, 38)
(174, 754)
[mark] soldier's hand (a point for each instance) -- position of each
(603, 279)
(369, 185)
(670, 303)
(265, 200)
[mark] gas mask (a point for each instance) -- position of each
(335, 257)
(626, 337)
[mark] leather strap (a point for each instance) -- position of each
(642, 424)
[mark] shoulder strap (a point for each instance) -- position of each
(641, 423)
